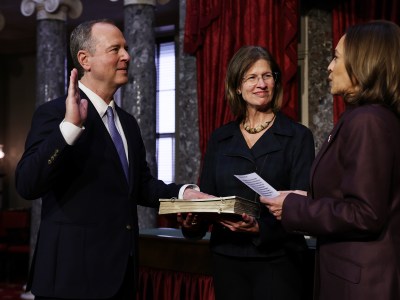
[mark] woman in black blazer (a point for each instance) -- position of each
(254, 258)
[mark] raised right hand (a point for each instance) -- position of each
(76, 108)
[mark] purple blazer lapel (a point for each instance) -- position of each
(325, 146)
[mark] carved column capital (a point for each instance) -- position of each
(148, 2)
(52, 9)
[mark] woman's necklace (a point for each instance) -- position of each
(258, 128)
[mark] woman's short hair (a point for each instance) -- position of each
(372, 61)
(240, 63)
(81, 39)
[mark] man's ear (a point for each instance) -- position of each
(83, 59)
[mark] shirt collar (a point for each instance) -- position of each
(99, 104)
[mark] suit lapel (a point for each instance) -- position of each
(237, 146)
(95, 123)
(267, 143)
(324, 148)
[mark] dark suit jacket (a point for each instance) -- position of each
(88, 224)
(282, 156)
(355, 207)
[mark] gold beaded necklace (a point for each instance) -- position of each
(258, 128)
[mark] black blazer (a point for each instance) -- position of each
(89, 221)
(282, 156)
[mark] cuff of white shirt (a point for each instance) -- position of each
(70, 132)
(187, 186)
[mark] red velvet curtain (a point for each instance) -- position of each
(164, 284)
(216, 29)
(350, 12)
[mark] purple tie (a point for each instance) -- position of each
(116, 137)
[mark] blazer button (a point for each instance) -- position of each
(129, 227)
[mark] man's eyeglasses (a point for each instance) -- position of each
(266, 77)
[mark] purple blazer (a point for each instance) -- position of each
(353, 207)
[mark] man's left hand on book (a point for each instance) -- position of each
(195, 194)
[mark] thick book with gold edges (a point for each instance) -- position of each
(219, 205)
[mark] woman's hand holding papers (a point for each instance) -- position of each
(275, 204)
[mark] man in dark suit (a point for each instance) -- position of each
(87, 241)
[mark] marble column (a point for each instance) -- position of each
(188, 151)
(2, 121)
(139, 94)
(2, 21)
(51, 59)
(320, 100)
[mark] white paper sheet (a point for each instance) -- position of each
(257, 184)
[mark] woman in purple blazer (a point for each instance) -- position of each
(353, 206)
